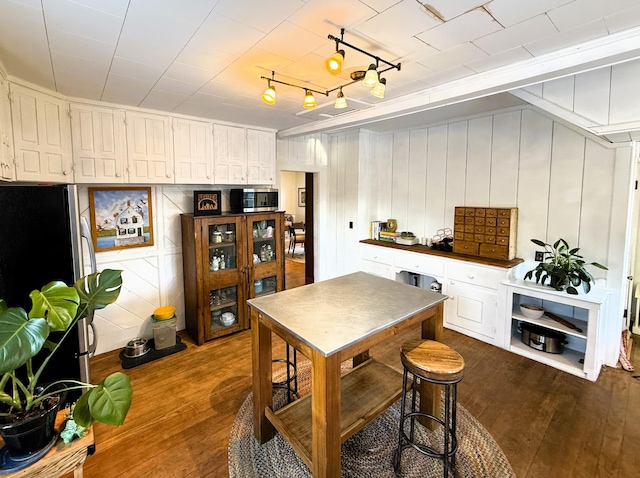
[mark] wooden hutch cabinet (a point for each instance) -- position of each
(227, 260)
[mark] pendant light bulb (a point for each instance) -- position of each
(371, 77)
(341, 101)
(269, 95)
(309, 100)
(333, 64)
(378, 89)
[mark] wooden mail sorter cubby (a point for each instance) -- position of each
(485, 231)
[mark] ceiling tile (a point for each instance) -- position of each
(71, 18)
(623, 21)
(580, 12)
(133, 69)
(82, 78)
(224, 34)
(291, 41)
(112, 7)
(567, 38)
(508, 12)
(163, 100)
(380, 5)
(404, 19)
(447, 9)
(458, 55)
(203, 57)
(66, 43)
(261, 16)
(501, 59)
(516, 35)
(470, 26)
(189, 74)
(22, 30)
(125, 90)
(327, 17)
(167, 85)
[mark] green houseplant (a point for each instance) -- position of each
(56, 307)
(563, 267)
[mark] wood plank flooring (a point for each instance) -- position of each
(547, 422)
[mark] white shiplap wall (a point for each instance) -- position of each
(565, 183)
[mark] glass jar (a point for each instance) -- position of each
(257, 286)
(217, 237)
(229, 236)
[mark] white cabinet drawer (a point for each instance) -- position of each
(477, 275)
(377, 268)
(376, 254)
(419, 263)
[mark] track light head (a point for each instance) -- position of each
(341, 101)
(269, 95)
(333, 64)
(371, 76)
(378, 89)
(309, 100)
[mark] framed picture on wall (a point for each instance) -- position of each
(121, 218)
(207, 203)
(302, 197)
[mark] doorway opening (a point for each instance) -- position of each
(297, 202)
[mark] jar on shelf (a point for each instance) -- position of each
(229, 236)
(257, 286)
(217, 237)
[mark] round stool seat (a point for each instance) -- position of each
(432, 360)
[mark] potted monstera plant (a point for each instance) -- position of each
(563, 267)
(28, 407)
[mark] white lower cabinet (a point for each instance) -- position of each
(582, 352)
(472, 311)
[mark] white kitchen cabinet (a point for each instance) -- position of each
(149, 148)
(193, 151)
(261, 157)
(230, 154)
(582, 354)
(42, 136)
(472, 311)
(377, 260)
(7, 166)
(98, 139)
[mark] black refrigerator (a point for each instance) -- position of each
(40, 241)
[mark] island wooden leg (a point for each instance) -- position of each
(325, 411)
(263, 430)
(429, 393)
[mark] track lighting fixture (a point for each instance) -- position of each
(334, 62)
(309, 100)
(269, 95)
(371, 78)
(341, 101)
(378, 89)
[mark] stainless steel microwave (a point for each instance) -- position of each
(253, 200)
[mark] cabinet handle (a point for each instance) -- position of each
(64, 173)
(470, 276)
(452, 282)
(417, 266)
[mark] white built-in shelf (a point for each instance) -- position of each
(549, 323)
(569, 360)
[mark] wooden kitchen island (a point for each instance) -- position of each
(330, 322)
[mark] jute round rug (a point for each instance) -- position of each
(368, 453)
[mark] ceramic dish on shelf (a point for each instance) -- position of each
(531, 311)
(227, 319)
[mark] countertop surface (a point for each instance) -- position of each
(331, 315)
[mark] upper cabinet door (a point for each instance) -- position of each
(149, 148)
(230, 158)
(42, 136)
(97, 136)
(193, 150)
(261, 157)
(7, 166)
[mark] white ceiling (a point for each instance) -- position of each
(205, 57)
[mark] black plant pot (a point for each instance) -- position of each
(28, 437)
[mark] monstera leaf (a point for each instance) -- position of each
(20, 338)
(108, 402)
(98, 290)
(56, 302)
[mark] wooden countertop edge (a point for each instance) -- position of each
(449, 255)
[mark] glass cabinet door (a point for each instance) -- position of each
(225, 281)
(264, 240)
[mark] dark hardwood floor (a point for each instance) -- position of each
(549, 423)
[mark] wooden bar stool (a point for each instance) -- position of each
(436, 363)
